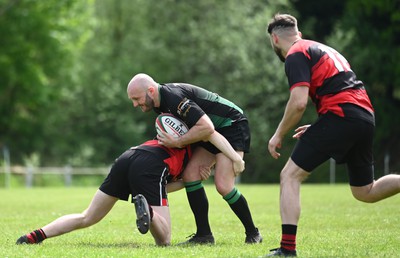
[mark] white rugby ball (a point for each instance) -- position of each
(170, 124)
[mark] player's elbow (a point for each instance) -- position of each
(299, 98)
(209, 130)
(205, 128)
(207, 134)
(301, 106)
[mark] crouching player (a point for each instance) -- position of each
(137, 172)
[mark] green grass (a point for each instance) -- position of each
(332, 224)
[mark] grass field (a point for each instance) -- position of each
(333, 224)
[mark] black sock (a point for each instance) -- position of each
(239, 205)
(36, 236)
(199, 204)
(289, 237)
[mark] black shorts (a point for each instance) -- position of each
(347, 140)
(238, 135)
(138, 172)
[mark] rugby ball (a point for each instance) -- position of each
(170, 124)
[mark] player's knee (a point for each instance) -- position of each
(364, 199)
(290, 176)
(88, 220)
(223, 188)
(163, 242)
(191, 174)
(162, 239)
(363, 194)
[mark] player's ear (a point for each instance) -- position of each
(151, 90)
(274, 38)
(300, 34)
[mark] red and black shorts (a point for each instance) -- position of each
(346, 140)
(238, 135)
(138, 172)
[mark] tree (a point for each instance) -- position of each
(29, 70)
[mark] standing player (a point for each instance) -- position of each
(142, 172)
(344, 130)
(205, 113)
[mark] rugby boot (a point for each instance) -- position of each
(253, 237)
(282, 252)
(142, 213)
(199, 240)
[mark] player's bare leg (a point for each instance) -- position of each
(224, 179)
(200, 158)
(160, 226)
(291, 178)
(290, 181)
(100, 205)
(380, 189)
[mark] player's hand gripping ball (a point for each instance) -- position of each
(170, 124)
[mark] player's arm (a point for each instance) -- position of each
(201, 131)
(294, 110)
(225, 147)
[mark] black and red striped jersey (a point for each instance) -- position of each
(175, 158)
(332, 84)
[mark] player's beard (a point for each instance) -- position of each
(148, 105)
(278, 52)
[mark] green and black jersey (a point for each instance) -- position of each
(190, 102)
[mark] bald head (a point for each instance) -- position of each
(142, 90)
(140, 81)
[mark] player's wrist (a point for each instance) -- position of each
(179, 144)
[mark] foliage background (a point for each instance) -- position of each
(65, 65)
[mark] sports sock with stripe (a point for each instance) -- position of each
(239, 205)
(36, 236)
(288, 241)
(199, 204)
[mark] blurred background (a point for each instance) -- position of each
(65, 66)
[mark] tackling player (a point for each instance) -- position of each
(137, 172)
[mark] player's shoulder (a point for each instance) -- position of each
(179, 89)
(302, 46)
(175, 85)
(167, 89)
(172, 87)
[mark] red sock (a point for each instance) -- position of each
(288, 241)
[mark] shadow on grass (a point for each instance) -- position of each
(115, 245)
